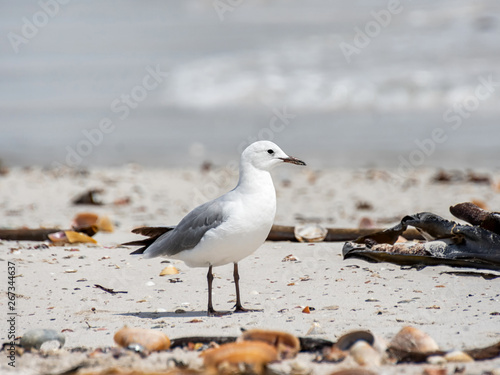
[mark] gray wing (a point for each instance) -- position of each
(188, 233)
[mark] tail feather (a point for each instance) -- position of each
(152, 232)
(139, 251)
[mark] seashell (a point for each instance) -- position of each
(169, 270)
(458, 356)
(84, 219)
(290, 258)
(334, 354)
(411, 339)
(74, 237)
(436, 360)
(435, 371)
(310, 233)
(58, 237)
(353, 371)
(105, 225)
(87, 219)
(349, 339)
(255, 354)
(149, 339)
(286, 344)
(364, 354)
(70, 236)
(315, 329)
(306, 310)
(35, 338)
(128, 371)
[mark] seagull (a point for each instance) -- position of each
(226, 229)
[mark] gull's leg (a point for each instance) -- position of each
(210, 310)
(210, 279)
(239, 307)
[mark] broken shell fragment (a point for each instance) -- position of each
(353, 371)
(74, 237)
(334, 354)
(35, 338)
(436, 360)
(149, 339)
(364, 354)
(315, 329)
(411, 339)
(310, 233)
(169, 270)
(345, 342)
(458, 356)
(69, 236)
(285, 343)
(435, 371)
(255, 354)
(87, 219)
(58, 237)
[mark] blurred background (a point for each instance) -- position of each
(175, 83)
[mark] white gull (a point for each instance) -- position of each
(226, 229)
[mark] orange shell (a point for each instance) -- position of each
(353, 371)
(84, 219)
(87, 219)
(74, 237)
(104, 224)
(150, 339)
(256, 354)
(169, 270)
(285, 343)
(128, 371)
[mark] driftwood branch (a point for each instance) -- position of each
(25, 234)
(286, 233)
(278, 233)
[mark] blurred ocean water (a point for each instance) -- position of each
(367, 83)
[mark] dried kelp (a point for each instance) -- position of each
(475, 215)
(447, 242)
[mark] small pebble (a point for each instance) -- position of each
(436, 360)
(458, 356)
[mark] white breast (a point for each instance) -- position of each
(250, 216)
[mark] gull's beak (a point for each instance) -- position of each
(292, 160)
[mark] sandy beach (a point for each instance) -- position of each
(55, 285)
(152, 104)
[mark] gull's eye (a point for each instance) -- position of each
(270, 152)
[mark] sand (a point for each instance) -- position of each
(56, 289)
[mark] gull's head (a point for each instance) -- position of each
(266, 155)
